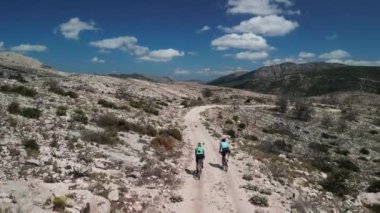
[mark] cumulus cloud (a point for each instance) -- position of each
(181, 72)
(96, 60)
(284, 60)
(335, 54)
(259, 7)
(249, 41)
(272, 25)
(355, 62)
(29, 48)
(163, 55)
(204, 29)
(72, 28)
(130, 44)
(306, 55)
(252, 56)
(124, 43)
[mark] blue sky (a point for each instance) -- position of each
(198, 39)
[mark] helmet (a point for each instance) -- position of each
(223, 139)
(199, 144)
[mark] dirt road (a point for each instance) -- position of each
(216, 191)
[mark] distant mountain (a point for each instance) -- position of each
(165, 80)
(305, 79)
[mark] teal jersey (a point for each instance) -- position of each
(199, 150)
(224, 145)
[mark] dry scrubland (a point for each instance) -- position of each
(87, 143)
(325, 150)
(93, 143)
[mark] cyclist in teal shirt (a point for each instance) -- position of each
(199, 154)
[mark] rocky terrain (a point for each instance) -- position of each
(89, 143)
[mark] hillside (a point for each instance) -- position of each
(306, 79)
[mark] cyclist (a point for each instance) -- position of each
(199, 154)
(224, 148)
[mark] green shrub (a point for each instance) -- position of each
(319, 147)
(327, 121)
(207, 93)
(72, 94)
(59, 203)
(336, 182)
(374, 187)
(61, 111)
(80, 116)
(22, 90)
(107, 137)
(251, 137)
(344, 152)
(31, 113)
(259, 200)
(283, 146)
(235, 118)
(241, 126)
(175, 133)
(282, 104)
(364, 151)
(349, 114)
(14, 108)
(31, 146)
(303, 111)
(348, 165)
(229, 122)
(107, 104)
(231, 133)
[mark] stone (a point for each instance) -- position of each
(33, 162)
(113, 195)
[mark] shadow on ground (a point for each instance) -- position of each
(215, 165)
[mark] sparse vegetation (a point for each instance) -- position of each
(303, 111)
(59, 203)
(31, 146)
(175, 133)
(282, 104)
(163, 142)
(80, 116)
(107, 137)
(374, 187)
(259, 200)
(364, 151)
(107, 104)
(55, 87)
(22, 90)
(61, 111)
(348, 165)
(14, 108)
(336, 182)
(207, 93)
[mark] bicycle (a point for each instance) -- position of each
(225, 163)
(199, 169)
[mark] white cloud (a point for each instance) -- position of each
(74, 26)
(306, 55)
(249, 41)
(2, 46)
(355, 62)
(181, 72)
(271, 25)
(253, 56)
(284, 60)
(336, 54)
(125, 43)
(163, 55)
(130, 44)
(29, 48)
(96, 60)
(204, 29)
(260, 7)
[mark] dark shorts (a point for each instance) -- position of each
(199, 157)
(225, 151)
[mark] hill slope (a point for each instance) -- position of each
(306, 79)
